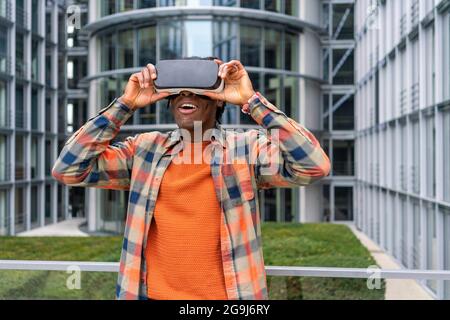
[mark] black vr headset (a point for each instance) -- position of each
(196, 76)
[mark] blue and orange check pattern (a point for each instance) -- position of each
(241, 163)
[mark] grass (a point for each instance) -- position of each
(324, 245)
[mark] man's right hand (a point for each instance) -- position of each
(140, 90)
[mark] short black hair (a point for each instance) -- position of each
(221, 110)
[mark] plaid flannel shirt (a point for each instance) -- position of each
(242, 163)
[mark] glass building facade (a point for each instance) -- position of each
(270, 48)
(32, 87)
(403, 131)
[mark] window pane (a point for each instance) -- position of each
(3, 105)
(19, 216)
(108, 50)
(291, 92)
(34, 167)
(272, 5)
(4, 214)
(446, 138)
(272, 50)
(34, 208)
(3, 157)
(343, 157)
(34, 110)
(343, 116)
(198, 37)
(125, 49)
(272, 89)
(225, 40)
(291, 7)
(146, 3)
(343, 21)
(250, 46)
(20, 157)
(147, 45)
(431, 156)
(251, 4)
(343, 203)
(292, 52)
(171, 40)
(343, 66)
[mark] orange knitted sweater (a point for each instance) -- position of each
(183, 251)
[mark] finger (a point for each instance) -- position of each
(147, 79)
(152, 70)
(140, 79)
(161, 95)
(218, 61)
(237, 63)
(221, 69)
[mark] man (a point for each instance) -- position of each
(192, 229)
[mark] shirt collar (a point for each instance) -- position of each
(215, 134)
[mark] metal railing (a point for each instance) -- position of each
(324, 272)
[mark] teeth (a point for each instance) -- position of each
(188, 105)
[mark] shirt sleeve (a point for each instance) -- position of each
(88, 159)
(283, 152)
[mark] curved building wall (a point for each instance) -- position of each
(279, 49)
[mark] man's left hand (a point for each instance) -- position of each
(238, 86)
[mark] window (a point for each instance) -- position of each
(4, 58)
(34, 60)
(20, 107)
(415, 170)
(34, 110)
(108, 50)
(343, 114)
(251, 4)
(4, 213)
(146, 3)
(431, 243)
(3, 104)
(404, 250)
(171, 40)
(343, 67)
(225, 39)
(291, 52)
(343, 203)
(250, 46)
(446, 152)
(446, 214)
(270, 204)
(19, 215)
(272, 49)
(147, 45)
(34, 207)
(430, 146)
(125, 49)
(291, 96)
(48, 204)
(61, 202)
(343, 157)
(48, 157)
(3, 159)
(417, 237)
(35, 14)
(20, 157)
(430, 67)
(35, 151)
(343, 21)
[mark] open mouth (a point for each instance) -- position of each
(187, 108)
